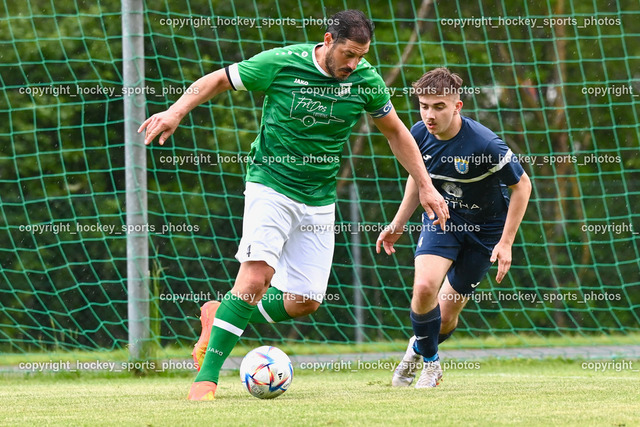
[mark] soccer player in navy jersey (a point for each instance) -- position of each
(474, 170)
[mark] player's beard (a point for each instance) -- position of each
(330, 64)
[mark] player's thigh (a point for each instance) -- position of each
(431, 269)
(433, 258)
(305, 264)
(269, 219)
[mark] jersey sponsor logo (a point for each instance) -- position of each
(458, 204)
(452, 189)
(462, 165)
(313, 110)
(301, 82)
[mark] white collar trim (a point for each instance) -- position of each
(315, 61)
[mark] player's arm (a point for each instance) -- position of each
(406, 151)
(202, 90)
(393, 231)
(520, 193)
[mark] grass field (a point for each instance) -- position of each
(540, 392)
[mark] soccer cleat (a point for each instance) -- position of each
(207, 314)
(203, 390)
(406, 370)
(431, 375)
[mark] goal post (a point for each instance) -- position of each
(138, 293)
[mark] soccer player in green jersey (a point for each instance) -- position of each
(315, 94)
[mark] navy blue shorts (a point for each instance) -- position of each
(466, 245)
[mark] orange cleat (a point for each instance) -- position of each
(207, 314)
(203, 390)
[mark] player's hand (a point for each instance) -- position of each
(388, 237)
(163, 124)
(502, 253)
(434, 205)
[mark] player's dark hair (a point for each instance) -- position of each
(439, 81)
(350, 25)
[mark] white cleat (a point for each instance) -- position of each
(406, 370)
(431, 375)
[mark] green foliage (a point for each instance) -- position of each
(62, 165)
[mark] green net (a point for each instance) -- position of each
(557, 80)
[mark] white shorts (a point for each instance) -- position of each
(295, 239)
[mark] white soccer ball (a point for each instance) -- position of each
(266, 372)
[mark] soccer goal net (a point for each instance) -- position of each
(557, 80)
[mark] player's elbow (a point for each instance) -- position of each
(211, 84)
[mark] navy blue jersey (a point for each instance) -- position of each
(472, 171)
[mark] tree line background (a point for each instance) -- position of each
(564, 91)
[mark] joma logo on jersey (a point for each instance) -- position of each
(462, 166)
(313, 110)
(301, 82)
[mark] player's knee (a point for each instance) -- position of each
(303, 308)
(253, 278)
(424, 294)
(256, 272)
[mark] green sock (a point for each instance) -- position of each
(231, 319)
(270, 308)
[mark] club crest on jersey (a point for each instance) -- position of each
(462, 165)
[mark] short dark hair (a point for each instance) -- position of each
(350, 25)
(439, 81)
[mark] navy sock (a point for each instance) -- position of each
(426, 328)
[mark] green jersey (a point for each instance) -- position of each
(307, 117)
